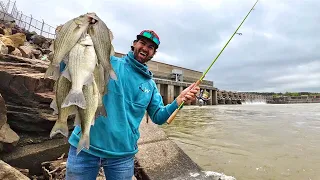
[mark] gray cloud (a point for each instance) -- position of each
(277, 51)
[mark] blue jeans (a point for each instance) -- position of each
(86, 166)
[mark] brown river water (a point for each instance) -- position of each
(252, 141)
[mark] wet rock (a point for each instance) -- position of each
(10, 173)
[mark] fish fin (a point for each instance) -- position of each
(101, 111)
(105, 91)
(91, 31)
(55, 86)
(110, 35)
(77, 21)
(93, 121)
(52, 71)
(74, 98)
(83, 143)
(102, 81)
(100, 99)
(54, 106)
(112, 52)
(61, 128)
(77, 120)
(89, 81)
(65, 73)
(74, 110)
(112, 74)
(66, 59)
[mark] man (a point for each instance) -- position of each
(113, 139)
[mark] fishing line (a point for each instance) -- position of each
(173, 115)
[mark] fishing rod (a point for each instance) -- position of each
(173, 115)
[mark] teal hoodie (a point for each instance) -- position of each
(127, 99)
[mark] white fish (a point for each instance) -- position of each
(79, 70)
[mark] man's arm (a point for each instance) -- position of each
(160, 113)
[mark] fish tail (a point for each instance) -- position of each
(53, 105)
(101, 111)
(112, 74)
(61, 128)
(77, 120)
(83, 143)
(74, 98)
(52, 71)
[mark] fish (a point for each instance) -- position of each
(68, 36)
(62, 88)
(79, 70)
(99, 78)
(87, 116)
(102, 38)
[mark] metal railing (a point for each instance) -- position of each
(10, 12)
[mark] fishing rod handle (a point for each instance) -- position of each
(173, 115)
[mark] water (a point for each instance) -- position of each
(252, 141)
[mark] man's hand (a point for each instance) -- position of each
(188, 94)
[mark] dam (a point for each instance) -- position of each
(171, 80)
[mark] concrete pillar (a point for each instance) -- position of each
(211, 97)
(181, 89)
(214, 97)
(170, 94)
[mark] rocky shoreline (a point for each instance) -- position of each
(26, 120)
(25, 96)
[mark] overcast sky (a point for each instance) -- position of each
(276, 52)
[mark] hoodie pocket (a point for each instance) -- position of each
(143, 94)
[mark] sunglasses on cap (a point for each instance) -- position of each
(151, 36)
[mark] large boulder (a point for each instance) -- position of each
(38, 39)
(8, 172)
(18, 39)
(8, 42)
(8, 138)
(27, 95)
(26, 51)
(16, 52)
